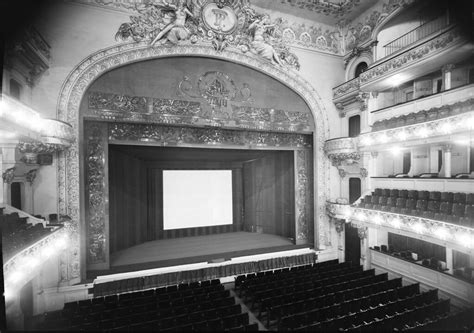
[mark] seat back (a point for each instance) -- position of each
(394, 192)
(378, 191)
(410, 204)
(470, 199)
(413, 194)
(386, 192)
(446, 208)
(433, 206)
(446, 196)
(403, 193)
(458, 209)
(435, 196)
(421, 205)
(459, 198)
(423, 195)
(401, 202)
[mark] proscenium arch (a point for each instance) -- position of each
(70, 172)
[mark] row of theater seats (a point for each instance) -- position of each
(334, 296)
(455, 322)
(196, 306)
(457, 208)
(17, 233)
(422, 116)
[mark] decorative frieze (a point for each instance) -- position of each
(342, 151)
(304, 197)
(455, 124)
(8, 175)
(96, 192)
(442, 42)
(458, 236)
(171, 111)
(173, 135)
(339, 209)
(346, 89)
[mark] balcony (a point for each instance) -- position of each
(425, 184)
(346, 90)
(449, 45)
(342, 150)
(425, 103)
(415, 35)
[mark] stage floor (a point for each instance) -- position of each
(187, 250)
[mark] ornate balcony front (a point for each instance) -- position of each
(449, 45)
(345, 93)
(442, 233)
(339, 209)
(26, 125)
(342, 151)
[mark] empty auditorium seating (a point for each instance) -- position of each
(457, 208)
(196, 306)
(332, 296)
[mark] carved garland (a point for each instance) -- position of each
(102, 61)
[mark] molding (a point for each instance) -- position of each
(78, 81)
(342, 151)
(114, 107)
(421, 52)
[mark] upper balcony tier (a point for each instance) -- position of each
(449, 45)
(442, 99)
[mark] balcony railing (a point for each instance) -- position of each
(416, 34)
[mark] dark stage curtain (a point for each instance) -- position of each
(154, 281)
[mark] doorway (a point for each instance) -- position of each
(352, 245)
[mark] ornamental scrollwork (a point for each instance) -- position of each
(172, 111)
(362, 232)
(38, 147)
(8, 175)
(303, 195)
(443, 41)
(220, 23)
(215, 136)
(30, 176)
(96, 140)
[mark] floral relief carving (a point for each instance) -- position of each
(346, 88)
(303, 196)
(445, 40)
(96, 136)
(172, 111)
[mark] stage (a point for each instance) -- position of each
(189, 250)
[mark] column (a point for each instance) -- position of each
(449, 260)
(446, 69)
(2, 184)
(364, 247)
(447, 161)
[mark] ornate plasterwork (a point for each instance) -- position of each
(458, 236)
(350, 87)
(221, 24)
(338, 210)
(359, 33)
(303, 197)
(8, 175)
(342, 151)
(446, 40)
(445, 126)
(30, 176)
(102, 61)
(172, 111)
(173, 135)
(96, 192)
(362, 232)
(21, 262)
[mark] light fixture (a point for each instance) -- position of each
(395, 150)
(396, 222)
(441, 233)
(418, 227)
(397, 79)
(423, 132)
(402, 135)
(377, 219)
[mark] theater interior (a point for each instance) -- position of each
(237, 165)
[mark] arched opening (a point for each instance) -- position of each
(72, 200)
(360, 68)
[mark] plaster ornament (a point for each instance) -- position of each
(222, 24)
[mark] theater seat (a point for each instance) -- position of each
(409, 206)
(435, 196)
(412, 194)
(403, 194)
(459, 198)
(423, 195)
(446, 196)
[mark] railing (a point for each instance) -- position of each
(346, 88)
(416, 34)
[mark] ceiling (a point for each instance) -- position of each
(175, 154)
(322, 11)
